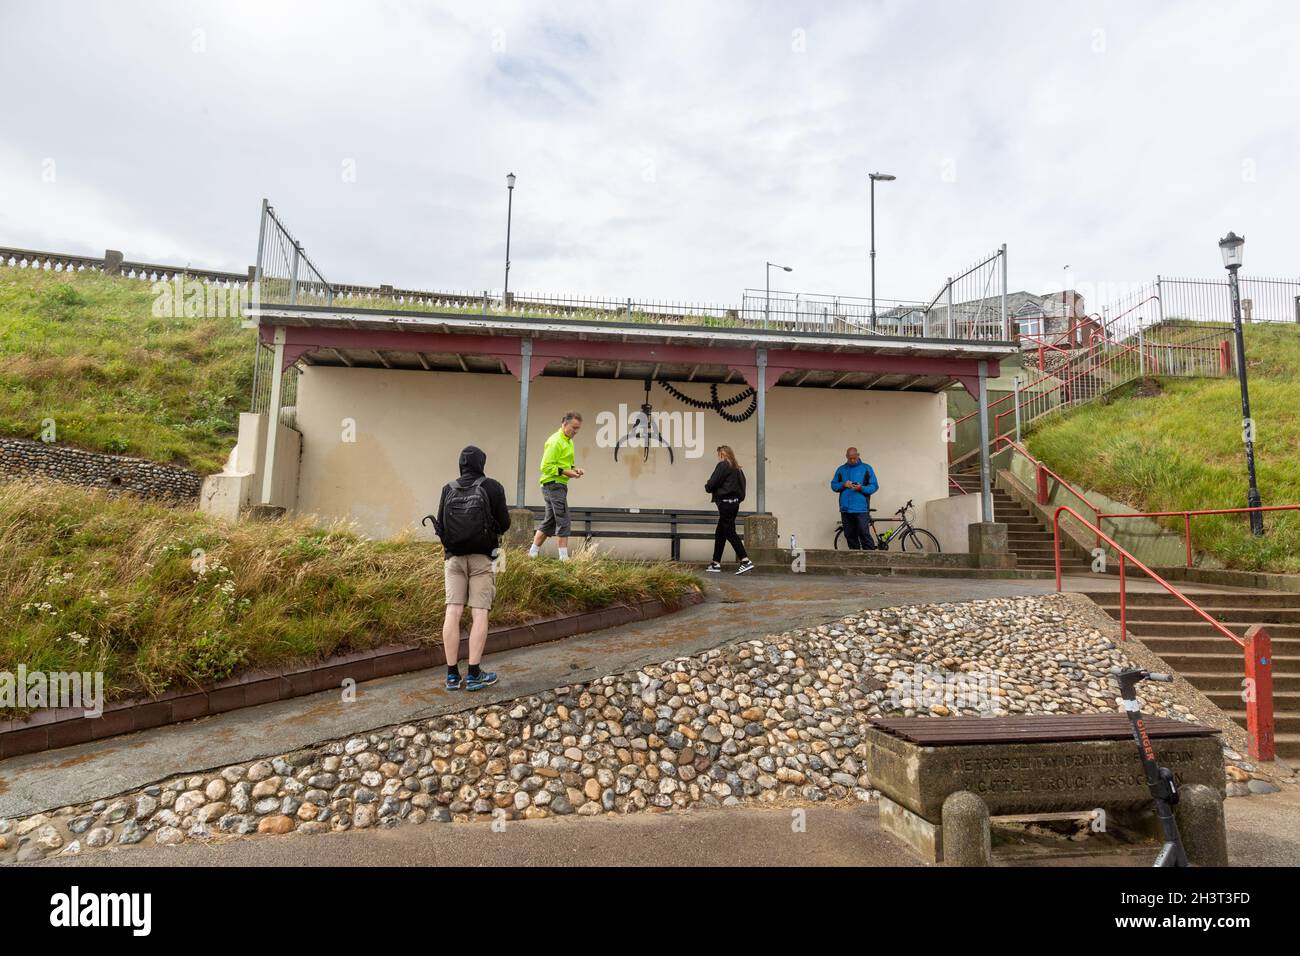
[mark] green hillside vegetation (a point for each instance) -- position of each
(1182, 449)
(158, 597)
(85, 351)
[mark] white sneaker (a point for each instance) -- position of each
(746, 565)
(714, 568)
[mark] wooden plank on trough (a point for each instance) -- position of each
(940, 731)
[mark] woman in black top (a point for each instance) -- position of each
(727, 486)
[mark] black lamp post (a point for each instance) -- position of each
(1231, 247)
(884, 178)
(510, 203)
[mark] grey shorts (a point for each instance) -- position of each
(556, 521)
(469, 580)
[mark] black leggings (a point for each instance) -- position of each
(726, 531)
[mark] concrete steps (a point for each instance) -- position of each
(1216, 609)
(1212, 663)
(1210, 682)
(1240, 599)
(1283, 635)
(1230, 700)
(1031, 543)
(1207, 642)
(1285, 723)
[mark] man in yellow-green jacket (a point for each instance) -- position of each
(557, 469)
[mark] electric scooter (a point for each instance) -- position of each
(1160, 780)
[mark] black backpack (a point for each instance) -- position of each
(467, 518)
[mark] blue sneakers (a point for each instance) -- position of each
(455, 682)
(484, 679)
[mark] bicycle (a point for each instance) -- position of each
(908, 535)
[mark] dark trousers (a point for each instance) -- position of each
(725, 533)
(857, 533)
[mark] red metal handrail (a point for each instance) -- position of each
(1258, 667)
(1041, 474)
(1109, 322)
(1063, 385)
(1151, 351)
(1187, 517)
(1101, 333)
(1010, 396)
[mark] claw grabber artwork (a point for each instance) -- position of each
(644, 432)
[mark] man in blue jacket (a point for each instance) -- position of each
(856, 483)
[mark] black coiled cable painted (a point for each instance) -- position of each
(716, 404)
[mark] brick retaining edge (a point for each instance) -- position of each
(50, 729)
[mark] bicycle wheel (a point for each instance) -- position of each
(839, 533)
(921, 541)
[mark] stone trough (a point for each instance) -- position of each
(941, 779)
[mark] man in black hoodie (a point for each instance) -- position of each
(472, 514)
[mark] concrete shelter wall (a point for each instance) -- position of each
(410, 426)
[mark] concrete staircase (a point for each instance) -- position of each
(1208, 660)
(1027, 539)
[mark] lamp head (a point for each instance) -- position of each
(1231, 247)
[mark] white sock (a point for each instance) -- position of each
(564, 554)
(534, 551)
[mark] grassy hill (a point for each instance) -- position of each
(95, 583)
(85, 350)
(1181, 449)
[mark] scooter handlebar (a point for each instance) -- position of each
(1129, 679)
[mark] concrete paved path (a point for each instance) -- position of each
(737, 608)
(1263, 830)
(735, 836)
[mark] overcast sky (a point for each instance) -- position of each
(663, 150)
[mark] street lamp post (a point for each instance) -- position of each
(884, 178)
(1231, 247)
(510, 204)
(767, 294)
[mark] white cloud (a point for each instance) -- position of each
(662, 151)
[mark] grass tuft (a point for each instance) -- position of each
(158, 596)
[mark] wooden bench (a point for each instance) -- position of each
(663, 524)
(1030, 766)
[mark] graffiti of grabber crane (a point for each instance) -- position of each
(644, 431)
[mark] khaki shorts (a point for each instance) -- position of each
(470, 580)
